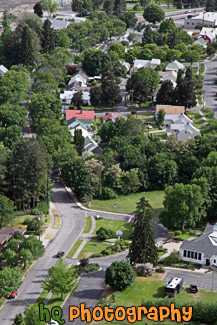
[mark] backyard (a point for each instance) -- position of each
(127, 204)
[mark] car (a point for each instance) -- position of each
(193, 288)
(188, 12)
(13, 294)
(60, 254)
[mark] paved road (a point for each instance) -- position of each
(72, 225)
(204, 281)
(209, 86)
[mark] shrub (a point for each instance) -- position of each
(178, 238)
(84, 261)
(172, 259)
(144, 269)
(171, 235)
(103, 233)
(119, 275)
(88, 268)
(108, 193)
(160, 269)
(178, 233)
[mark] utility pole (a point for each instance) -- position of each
(39, 228)
(17, 252)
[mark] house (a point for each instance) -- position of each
(155, 63)
(57, 24)
(176, 119)
(86, 117)
(74, 124)
(208, 36)
(168, 75)
(91, 146)
(109, 117)
(67, 96)
(202, 250)
(3, 70)
(125, 64)
(6, 233)
(124, 38)
(205, 18)
(169, 109)
(138, 64)
(202, 42)
(175, 65)
(79, 77)
(185, 132)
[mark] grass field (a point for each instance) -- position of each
(148, 289)
(127, 204)
(115, 225)
(57, 220)
(88, 225)
(74, 248)
(18, 221)
(92, 248)
(198, 122)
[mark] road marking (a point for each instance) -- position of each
(30, 133)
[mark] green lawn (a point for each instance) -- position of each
(115, 225)
(18, 221)
(88, 225)
(57, 220)
(92, 248)
(149, 119)
(148, 289)
(198, 122)
(42, 297)
(127, 204)
(74, 248)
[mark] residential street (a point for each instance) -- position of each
(209, 86)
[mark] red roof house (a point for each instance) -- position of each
(86, 117)
(109, 116)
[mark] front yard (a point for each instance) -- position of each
(126, 204)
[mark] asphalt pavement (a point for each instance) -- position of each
(209, 86)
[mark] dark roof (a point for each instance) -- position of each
(4, 238)
(97, 150)
(11, 231)
(201, 244)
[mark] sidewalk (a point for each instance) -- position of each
(50, 230)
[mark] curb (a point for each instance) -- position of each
(183, 270)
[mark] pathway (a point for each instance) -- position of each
(209, 85)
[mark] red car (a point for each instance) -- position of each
(13, 294)
(60, 254)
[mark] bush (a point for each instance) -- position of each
(160, 269)
(108, 193)
(171, 235)
(178, 238)
(119, 275)
(88, 268)
(172, 259)
(103, 233)
(144, 269)
(84, 261)
(178, 233)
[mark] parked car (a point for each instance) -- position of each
(60, 254)
(193, 288)
(13, 294)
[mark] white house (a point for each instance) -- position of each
(175, 65)
(168, 75)
(183, 132)
(138, 64)
(202, 250)
(66, 97)
(202, 42)
(80, 77)
(3, 70)
(125, 64)
(206, 18)
(170, 119)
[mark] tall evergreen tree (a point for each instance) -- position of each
(27, 47)
(149, 37)
(108, 6)
(142, 248)
(47, 38)
(186, 94)
(172, 39)
(110, 89)
(165, 95)
(141, 92)
(79, 141)
(38, 9)
(119, 7)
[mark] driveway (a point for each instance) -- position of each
(209, 86)
(204, 281)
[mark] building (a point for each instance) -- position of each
(176, 119)
(79, 77)
(67, 96)
(183, 132)
(125, 64)
(170, 109)
(86, 117)
(109, 117)
(6, 234)
(202, 42)
(202, 250)
(175, 66)
(154, 63)
(57, 24)
(206, 18)
(3, 70)
(138, 64)
(168, 75)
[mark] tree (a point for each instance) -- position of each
(62, 39)
(172, 39)
(27, 47)
(130, 182)
(47, 37)
(104, 233)
(79, 141)
(96, 95)
(6, 211)
(160, 116)
(153, 14)
(10, 280)
(211, 5)
(45, 82)
(118, 48)
(165, 95)
(18, 320)
(149, 36)
(77, 99)
(10, 257)
(186, 94)
(49, 5)
(119, 275)
(142, 248)
(183, 206)
(192, 56)
(31, 315)
(34, 246)
(141, 92)
(173, 55)
(108, 7)
(189, 73)
(167, 26)
(95, 169)
(38, 9)
(62, 280)
(148, 75)
(110, 89)
(94, 62)
(129, 18)
(82, 8)
(119, 7)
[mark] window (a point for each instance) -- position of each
(192, 254)
(185, 253)
(189, 253)
(199, 256)
(214, 261)
(195, 256)
(192, 23)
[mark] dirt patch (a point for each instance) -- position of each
(11, 4)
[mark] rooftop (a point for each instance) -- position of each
(80, 114)
(170, 109)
